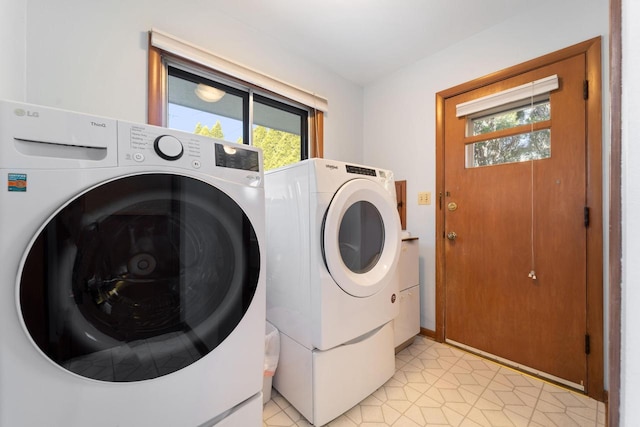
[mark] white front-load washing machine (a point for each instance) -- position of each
(133, 274)
(333, 237)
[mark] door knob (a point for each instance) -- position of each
(452, 235)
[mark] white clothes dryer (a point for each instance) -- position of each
(133, 274)
(333, 236)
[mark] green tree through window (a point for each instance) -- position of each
(279, 148)
(214, 132)
(532, 145)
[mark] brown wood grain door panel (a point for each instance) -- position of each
(491, 303)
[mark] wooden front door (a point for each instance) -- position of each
(514, 233)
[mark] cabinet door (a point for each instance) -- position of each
(408, 264)
(407, 324)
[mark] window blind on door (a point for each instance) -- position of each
(505, 97)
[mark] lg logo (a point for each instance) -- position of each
(21, 113)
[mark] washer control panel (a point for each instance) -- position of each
(168, 147)
(152, 145)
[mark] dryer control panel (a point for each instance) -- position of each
(360, 170)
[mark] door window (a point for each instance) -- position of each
(139, 277)
(509, 134)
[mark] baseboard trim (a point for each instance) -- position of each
(428, 333)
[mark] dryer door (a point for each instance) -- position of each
(139, 277)
(361, 237)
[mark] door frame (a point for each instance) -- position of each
(595, 320)
(615, 211)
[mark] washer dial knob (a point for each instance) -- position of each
(168, 147)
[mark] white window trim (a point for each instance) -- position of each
(518, 93)
(201, 56)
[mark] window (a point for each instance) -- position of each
(208, 107)
(510, 126)
(280, 130)
(511, 133)
(190, 107)
(195, 97)
(510, 118)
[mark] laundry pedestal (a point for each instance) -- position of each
(407, 325)
(324, 384)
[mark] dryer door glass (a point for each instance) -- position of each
(361, 237)
(139, 277)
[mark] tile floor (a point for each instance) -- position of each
(439, 385)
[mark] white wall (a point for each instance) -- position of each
(630, 368)
(12, 48)
(399, 110)
(92, 57)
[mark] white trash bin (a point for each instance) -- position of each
(271, 355)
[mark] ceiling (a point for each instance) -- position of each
(363, 40)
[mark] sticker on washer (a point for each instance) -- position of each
(17, 182)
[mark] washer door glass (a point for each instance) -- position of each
(139, 277)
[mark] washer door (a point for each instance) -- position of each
(139, 277)
(361, 237)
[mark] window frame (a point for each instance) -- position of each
(158, 62)
(517, 130)
(304, 136)
(185, 73)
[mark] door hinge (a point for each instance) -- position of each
(585, 90)
(587, 344)
(586, 216)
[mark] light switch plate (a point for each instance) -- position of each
(424, 198)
